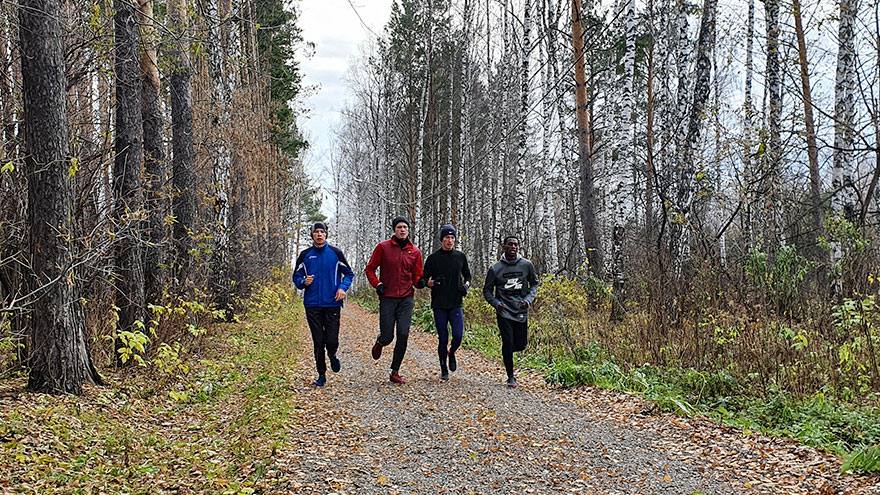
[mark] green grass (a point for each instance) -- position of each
(819, 420)
(214, 428)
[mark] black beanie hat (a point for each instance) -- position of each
(447, 230)
(319, 225)
(398, 220)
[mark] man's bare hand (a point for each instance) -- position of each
(340, 294)
(309, 280)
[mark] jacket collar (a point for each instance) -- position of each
(393, 241)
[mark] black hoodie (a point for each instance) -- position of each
(508, 285)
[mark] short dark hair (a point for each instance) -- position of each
(509, 237)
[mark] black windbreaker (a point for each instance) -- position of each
(450, 271)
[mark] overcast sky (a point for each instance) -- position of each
(337, 33)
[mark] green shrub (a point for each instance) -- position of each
(779, 278)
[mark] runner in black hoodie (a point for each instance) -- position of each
(511, 286)
(447, 274)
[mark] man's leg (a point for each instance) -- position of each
(506, 330)
(331, 341)
(456, 319)
(403, 317)
(387, 310)
(520, 335)
(441, 321)
(315, 319)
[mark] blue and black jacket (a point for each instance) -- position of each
(331, 271)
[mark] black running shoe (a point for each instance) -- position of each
(511, 382)
(376, 351)
(453, 365)
(335, 365)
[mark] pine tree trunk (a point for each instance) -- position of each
(127, 170)
(812, 148)
(592, 243)
(183, 174)
(154, 155)
(60, 361)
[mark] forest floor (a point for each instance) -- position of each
(242, 417)
(362, 434)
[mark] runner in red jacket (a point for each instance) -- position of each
(400, 268)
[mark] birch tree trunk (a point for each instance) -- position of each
(748, 122)
(221, 156)
(626, 160)
(687, 177)
(772, 157)
(842, 202)
(547, 212)
(650, 170)
(521, 199)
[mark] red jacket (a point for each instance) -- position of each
(399, 268)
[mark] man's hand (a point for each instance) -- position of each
(309, 279)
(524, 305)
(430, 282)
(340, 294)
(380, 289)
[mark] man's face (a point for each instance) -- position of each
(511, 247)
(448, 242)
(401, 230)
(319, 237)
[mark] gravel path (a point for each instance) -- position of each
(363, 435)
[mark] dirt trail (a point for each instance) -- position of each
(363, 435)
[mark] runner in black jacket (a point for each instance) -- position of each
(448, 275)
(511, 286)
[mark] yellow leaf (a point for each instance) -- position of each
(667, 478)
(8, 167)
(74, 167)
(382, 480)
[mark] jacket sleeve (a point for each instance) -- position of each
(299, 270)
(427, 273)
(533, 285)
(345, 268)
(465, 269)
(489, 289)
(375, 261)
(417, 270)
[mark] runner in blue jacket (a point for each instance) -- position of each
(323, 272)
